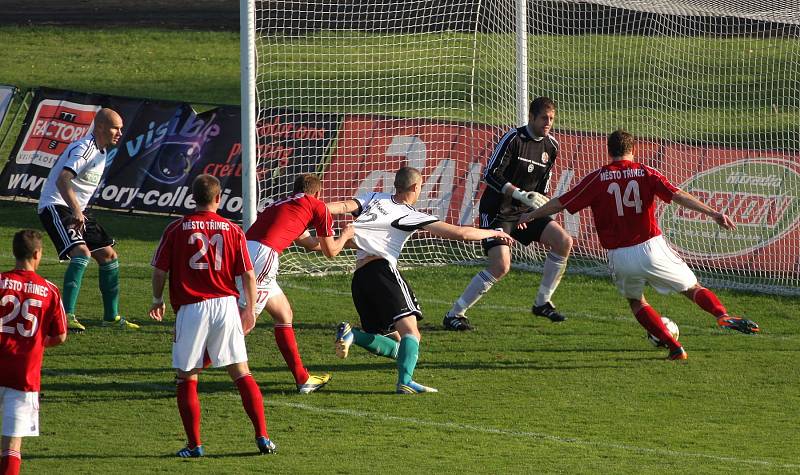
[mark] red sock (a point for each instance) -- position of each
(189, 408)
(10, 462)
(651, 321)
(709, 302)
(253, 403)
(284, 337)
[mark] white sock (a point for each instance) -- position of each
(554, 267)
(480, 284)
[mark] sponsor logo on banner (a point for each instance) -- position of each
(55, 125)
(759, 194)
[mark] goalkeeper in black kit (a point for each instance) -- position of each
(517, 178)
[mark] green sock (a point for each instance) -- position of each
(407, 358)
(72, 282)
(375, 344)
(109, 288)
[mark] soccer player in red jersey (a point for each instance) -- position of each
(203, 253)
(275, 229)
(32, 319)
(622, 199)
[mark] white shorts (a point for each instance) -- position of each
(211, 326)
(20, 412)
(650, 262)
(265, 266)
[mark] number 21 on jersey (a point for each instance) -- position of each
(206, 245)
(629, 199)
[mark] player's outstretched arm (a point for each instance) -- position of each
(158, 307)
(688, 200)
(342, 207)
(550, 208)
(464, 233)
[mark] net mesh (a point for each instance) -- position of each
(353, 90)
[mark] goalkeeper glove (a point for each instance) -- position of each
(530, 198)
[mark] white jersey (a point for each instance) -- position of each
(383, 226)
(88, 163)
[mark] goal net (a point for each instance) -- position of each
(711, 89)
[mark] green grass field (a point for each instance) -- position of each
(518, 395)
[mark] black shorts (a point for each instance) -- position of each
(524, 236)
(382, 296)
(57, 221)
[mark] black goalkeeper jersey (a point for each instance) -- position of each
(523, 161)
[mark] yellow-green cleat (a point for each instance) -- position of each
(121, 324)
(313, 383)
(73, 325)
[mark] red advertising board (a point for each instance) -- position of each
(754, 187)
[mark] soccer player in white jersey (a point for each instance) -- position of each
(75, 233)
(385, 303)
(622, 199)
(33, 319)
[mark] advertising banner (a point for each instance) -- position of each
(755, 188)
(54, 120)
(164, 146)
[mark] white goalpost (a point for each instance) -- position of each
(353, 90)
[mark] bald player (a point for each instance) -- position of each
(75, 233)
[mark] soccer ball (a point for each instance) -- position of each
(672, 327)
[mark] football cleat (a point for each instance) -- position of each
(548, 311)
(73, 325)
(678, 354)
(456, 323)
(266, 446)
(121, 324)
(739, 324)
(344, 338)
(414, 388)
(186, 452)
(313, 383)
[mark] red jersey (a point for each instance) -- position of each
(30, 310)
(285, 220)
(203, 253)
(622, 196)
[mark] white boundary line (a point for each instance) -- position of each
(461, 427)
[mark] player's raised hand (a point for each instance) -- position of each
(157, 311)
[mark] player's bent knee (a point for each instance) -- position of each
(79, 251)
